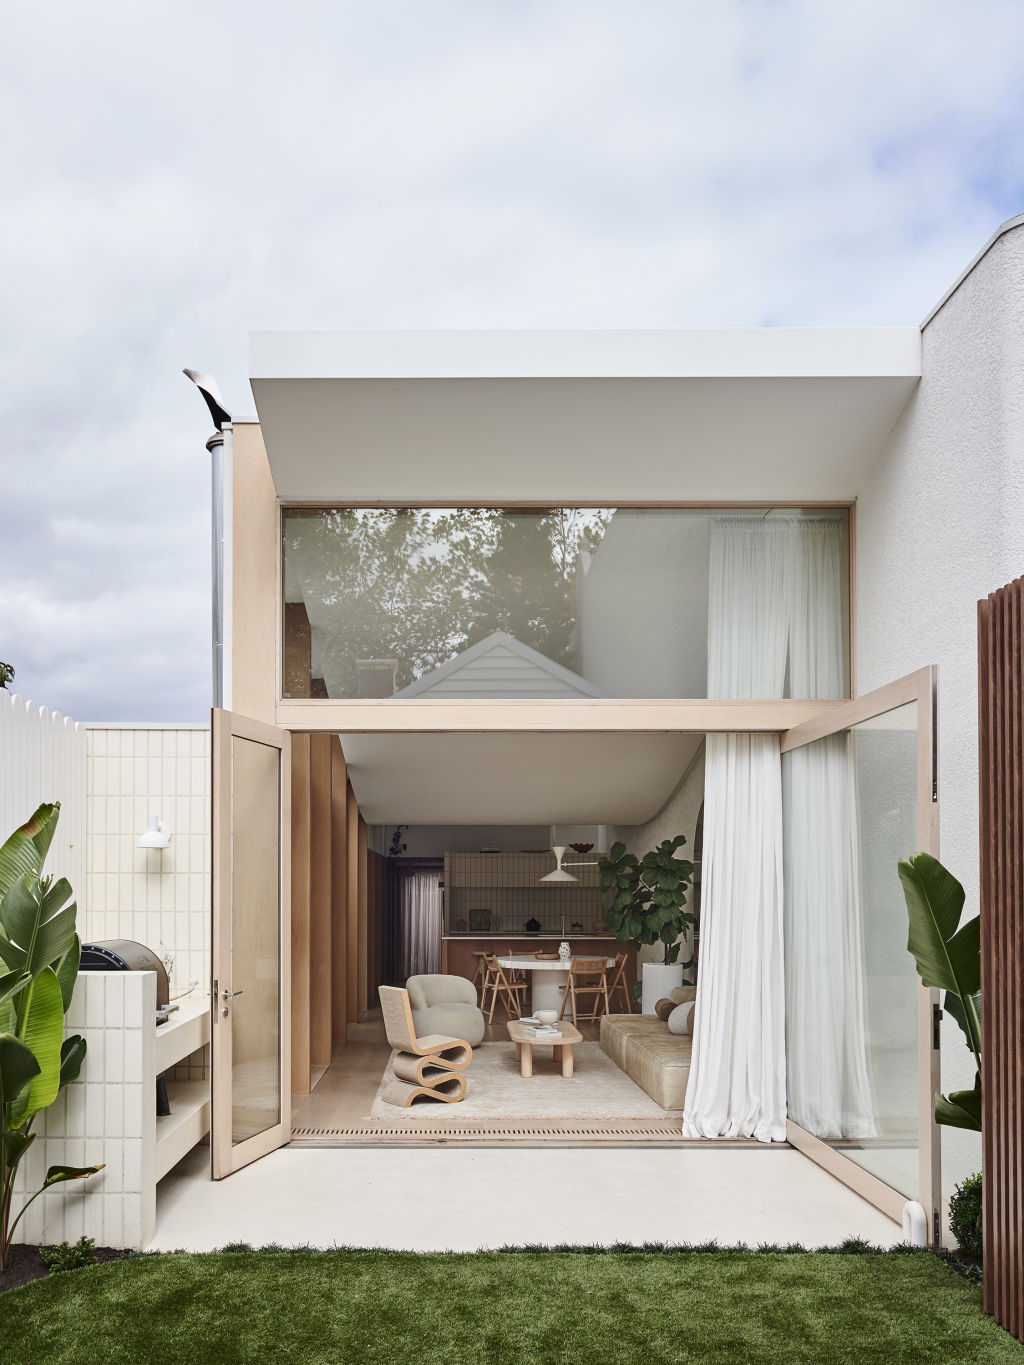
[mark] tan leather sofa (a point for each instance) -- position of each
(657, 1060)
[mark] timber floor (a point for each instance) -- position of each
(334, 1114)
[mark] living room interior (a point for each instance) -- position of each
(456, 899)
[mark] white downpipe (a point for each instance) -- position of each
(915, 1223)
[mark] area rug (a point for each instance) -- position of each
(496, 1090)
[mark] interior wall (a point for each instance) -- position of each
(159, 897)
(677, 816)
(940, 524)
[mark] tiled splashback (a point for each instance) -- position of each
(497, 893)
(159, 897)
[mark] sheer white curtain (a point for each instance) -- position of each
(737, 1085)
(419, 909)
(829, 1087)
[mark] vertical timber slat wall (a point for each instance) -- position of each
(339, 902)
(339, 896)
(361, 910)
(301, 869)
(1001, 774)
(352, 907)
(320, 887)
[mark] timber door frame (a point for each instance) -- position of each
(919, 687)
(227, 1156)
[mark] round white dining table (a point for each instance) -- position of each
(547, 978)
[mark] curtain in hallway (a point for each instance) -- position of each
(419, 913)
(829, 1090)
(775, 627)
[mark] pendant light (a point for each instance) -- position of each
(559, 874)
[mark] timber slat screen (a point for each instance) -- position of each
(1001, 770)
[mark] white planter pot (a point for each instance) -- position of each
(659, 980)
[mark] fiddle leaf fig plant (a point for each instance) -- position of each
(948, 955)
(648, 895)
(39, 958)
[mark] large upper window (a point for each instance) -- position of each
(486, 602)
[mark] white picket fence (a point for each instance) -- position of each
(43, 758)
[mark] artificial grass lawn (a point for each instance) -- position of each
(529, 1308)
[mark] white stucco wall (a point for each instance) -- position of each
(940, 524)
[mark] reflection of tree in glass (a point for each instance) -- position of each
(529, 588)
(421, 585)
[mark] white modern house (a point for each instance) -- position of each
(611, 585)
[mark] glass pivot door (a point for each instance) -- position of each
(860, 792)
(250, 995)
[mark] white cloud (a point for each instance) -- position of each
(183, 173)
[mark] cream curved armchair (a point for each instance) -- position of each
(446, 1004)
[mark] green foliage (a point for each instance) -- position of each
(41, 950)
(948, 957)
(69, 1255)
(965, 1215)
(627, 1307)
(6, 674)
(648, 895)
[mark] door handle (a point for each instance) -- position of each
(229, 995)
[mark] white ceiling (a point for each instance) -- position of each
(515, 779)
(766, 414)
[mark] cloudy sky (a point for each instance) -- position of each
(176, 174)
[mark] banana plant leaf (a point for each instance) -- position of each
(969, 1024)
(947, 956)
(38, 931)
(18, 1066)
(11, 983)
(56, 1174)
(66, 968)
(42, 1028)
(960, 1108)
(15, 1145)
(25, 851)
(72, 1055)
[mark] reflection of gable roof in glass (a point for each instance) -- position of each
(501, 666)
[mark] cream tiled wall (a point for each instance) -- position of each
(108, 1115)
(159, 897)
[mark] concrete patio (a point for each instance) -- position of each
(421, 1199)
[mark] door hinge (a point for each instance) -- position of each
(936, 1030)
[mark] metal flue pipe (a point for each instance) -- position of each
(207, 386)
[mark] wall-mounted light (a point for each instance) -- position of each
(157, 836)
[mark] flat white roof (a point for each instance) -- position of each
(699, 353)
(700, 415)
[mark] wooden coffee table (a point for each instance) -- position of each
(525, 1041)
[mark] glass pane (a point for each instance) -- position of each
(464, 602)
(850, 805)
(255, 1010)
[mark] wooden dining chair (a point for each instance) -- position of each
(501, 988)
(587, 976)
(619, 982)
(480, 975)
